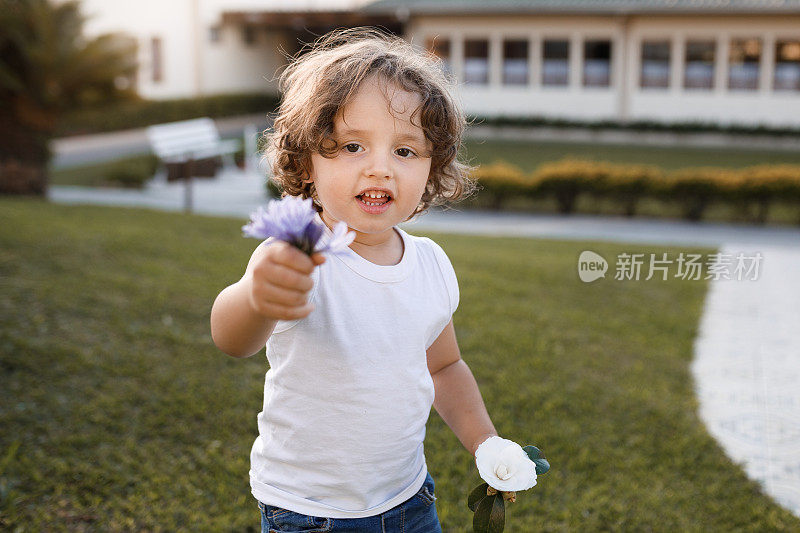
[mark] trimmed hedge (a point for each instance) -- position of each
(140, 113)
(752, 189)
(639, 125)
(132, 172)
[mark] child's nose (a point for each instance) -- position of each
(379, 165)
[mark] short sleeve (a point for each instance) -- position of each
(449, 276)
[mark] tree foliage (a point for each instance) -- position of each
(47, 65)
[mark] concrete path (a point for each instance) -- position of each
(233, 193)
(747, 353)
(747, 371)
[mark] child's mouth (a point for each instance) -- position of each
(366, 200)
(374, 206)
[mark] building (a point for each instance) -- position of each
(722, 61)
(190, 48)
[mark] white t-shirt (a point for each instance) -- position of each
(348, 391)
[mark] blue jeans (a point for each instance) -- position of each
(415, 515)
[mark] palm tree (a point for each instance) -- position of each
(46, 67)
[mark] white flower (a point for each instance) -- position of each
(504, 465)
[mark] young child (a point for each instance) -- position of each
(360, 345)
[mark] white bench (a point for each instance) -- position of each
(189, 140)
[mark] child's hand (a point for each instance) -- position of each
(280, 282)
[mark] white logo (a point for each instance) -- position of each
(591, 266)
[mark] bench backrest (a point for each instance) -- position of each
(181, 140)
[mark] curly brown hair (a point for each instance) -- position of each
(317, 84)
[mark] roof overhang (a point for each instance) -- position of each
(411, 8)
(298, 20)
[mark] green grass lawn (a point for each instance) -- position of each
(101, 174)
(528, 155)
(119, 414)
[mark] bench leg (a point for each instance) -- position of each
(188, 193)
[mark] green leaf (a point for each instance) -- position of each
(490, 516)
(533, 452)
(497, 520)
(536, 455)
(477, 494)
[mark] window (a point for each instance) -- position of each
(248, 35)
(515, 62)
(596, 63)
(476, 61)
(655, 64)
(743, 60)
(441, 48)
(555, 63)
(213, 34)
(156, 59)
(787, 66)
(699, 68)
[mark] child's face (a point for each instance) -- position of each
(381, 151)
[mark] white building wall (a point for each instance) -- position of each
(231, 66)
(495, 99)
(192, 65)
(620, 102)
(170, 21)
(722, 105)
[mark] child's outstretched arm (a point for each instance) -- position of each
(274, 287)
(458, 400)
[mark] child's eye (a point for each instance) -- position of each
(352, 147)
(405, 152)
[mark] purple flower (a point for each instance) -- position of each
(293, 219)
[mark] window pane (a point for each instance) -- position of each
(787, 66)
(515, 62)
(476, 61)
(441, 48)
(596, 63)
(555, 63)
(248, 35)
(655, 64)
(744, 57)
(699, 69)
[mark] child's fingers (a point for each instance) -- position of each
(317, 259)
(269, 292)
(287, 255)
(285, 277)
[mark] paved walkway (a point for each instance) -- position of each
(233, 193)
(747, 371)
(747, 353)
